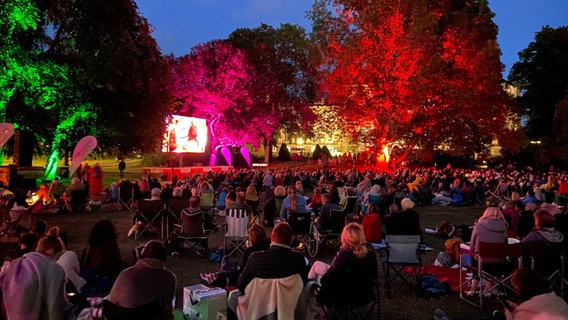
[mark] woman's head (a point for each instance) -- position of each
(102, 232)
(251, 191)
(280, 191)
(257, 234)
(50, 244)
(394, 209)
(494, 213)
(353, 239)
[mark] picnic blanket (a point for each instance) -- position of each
(445, 274)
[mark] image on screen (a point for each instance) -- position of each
(185, 134)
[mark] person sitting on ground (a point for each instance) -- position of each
(349, 278)
(33, 286)
(492, 228)
(101, 261)
(147, 282)
(537, 300)
(372, 225)
(69, 262)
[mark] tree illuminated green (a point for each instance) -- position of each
(32, 84)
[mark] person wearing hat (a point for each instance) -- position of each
(147, 281)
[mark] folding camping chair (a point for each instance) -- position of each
(549, 261)
(358, 301)
(192, 233)
(402, 252)
(148, 213)
(173, 213)
(126, 195)
(500, 281)
(236, 230)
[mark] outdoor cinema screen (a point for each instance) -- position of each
(185, 134)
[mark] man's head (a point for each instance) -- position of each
(241, 197)
(155, 250)
(194, 202)
(325, 198)
(282, 234)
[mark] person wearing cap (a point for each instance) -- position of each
(147, 281)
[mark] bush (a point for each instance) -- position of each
(154, 159)
(317, 152)
(284, 153)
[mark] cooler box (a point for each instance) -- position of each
(203, 303)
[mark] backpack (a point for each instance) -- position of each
(445, 230)
(433, 286)
(453, 248)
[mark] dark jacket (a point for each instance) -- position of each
(277, 262)
(349, 280)
(406, 222)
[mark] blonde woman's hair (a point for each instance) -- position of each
(279, 191)
(251, 191)
(494, 213)
(292, 192)
(353, 239)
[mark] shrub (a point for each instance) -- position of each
(154, 159)
(284, 153)
(325, 150)
(317, 152)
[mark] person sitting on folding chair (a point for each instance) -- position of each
(147, 282)
(492, 228)
(240, 203)
(348, 281)
(277, 262)
(537, 300)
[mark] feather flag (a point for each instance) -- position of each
(82, 150)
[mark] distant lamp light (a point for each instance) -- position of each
(300, 141)
(535, 141)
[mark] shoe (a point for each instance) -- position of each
(487, 294)
(175, 254)
(440, 314)
(132, 231)
(471, 293)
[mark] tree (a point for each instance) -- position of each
(32, 83)
(213, 82)
(541, 74)
(415, 72)
(122, 70)
(317, 152)
(286, 76)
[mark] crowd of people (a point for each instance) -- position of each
(521, 202)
